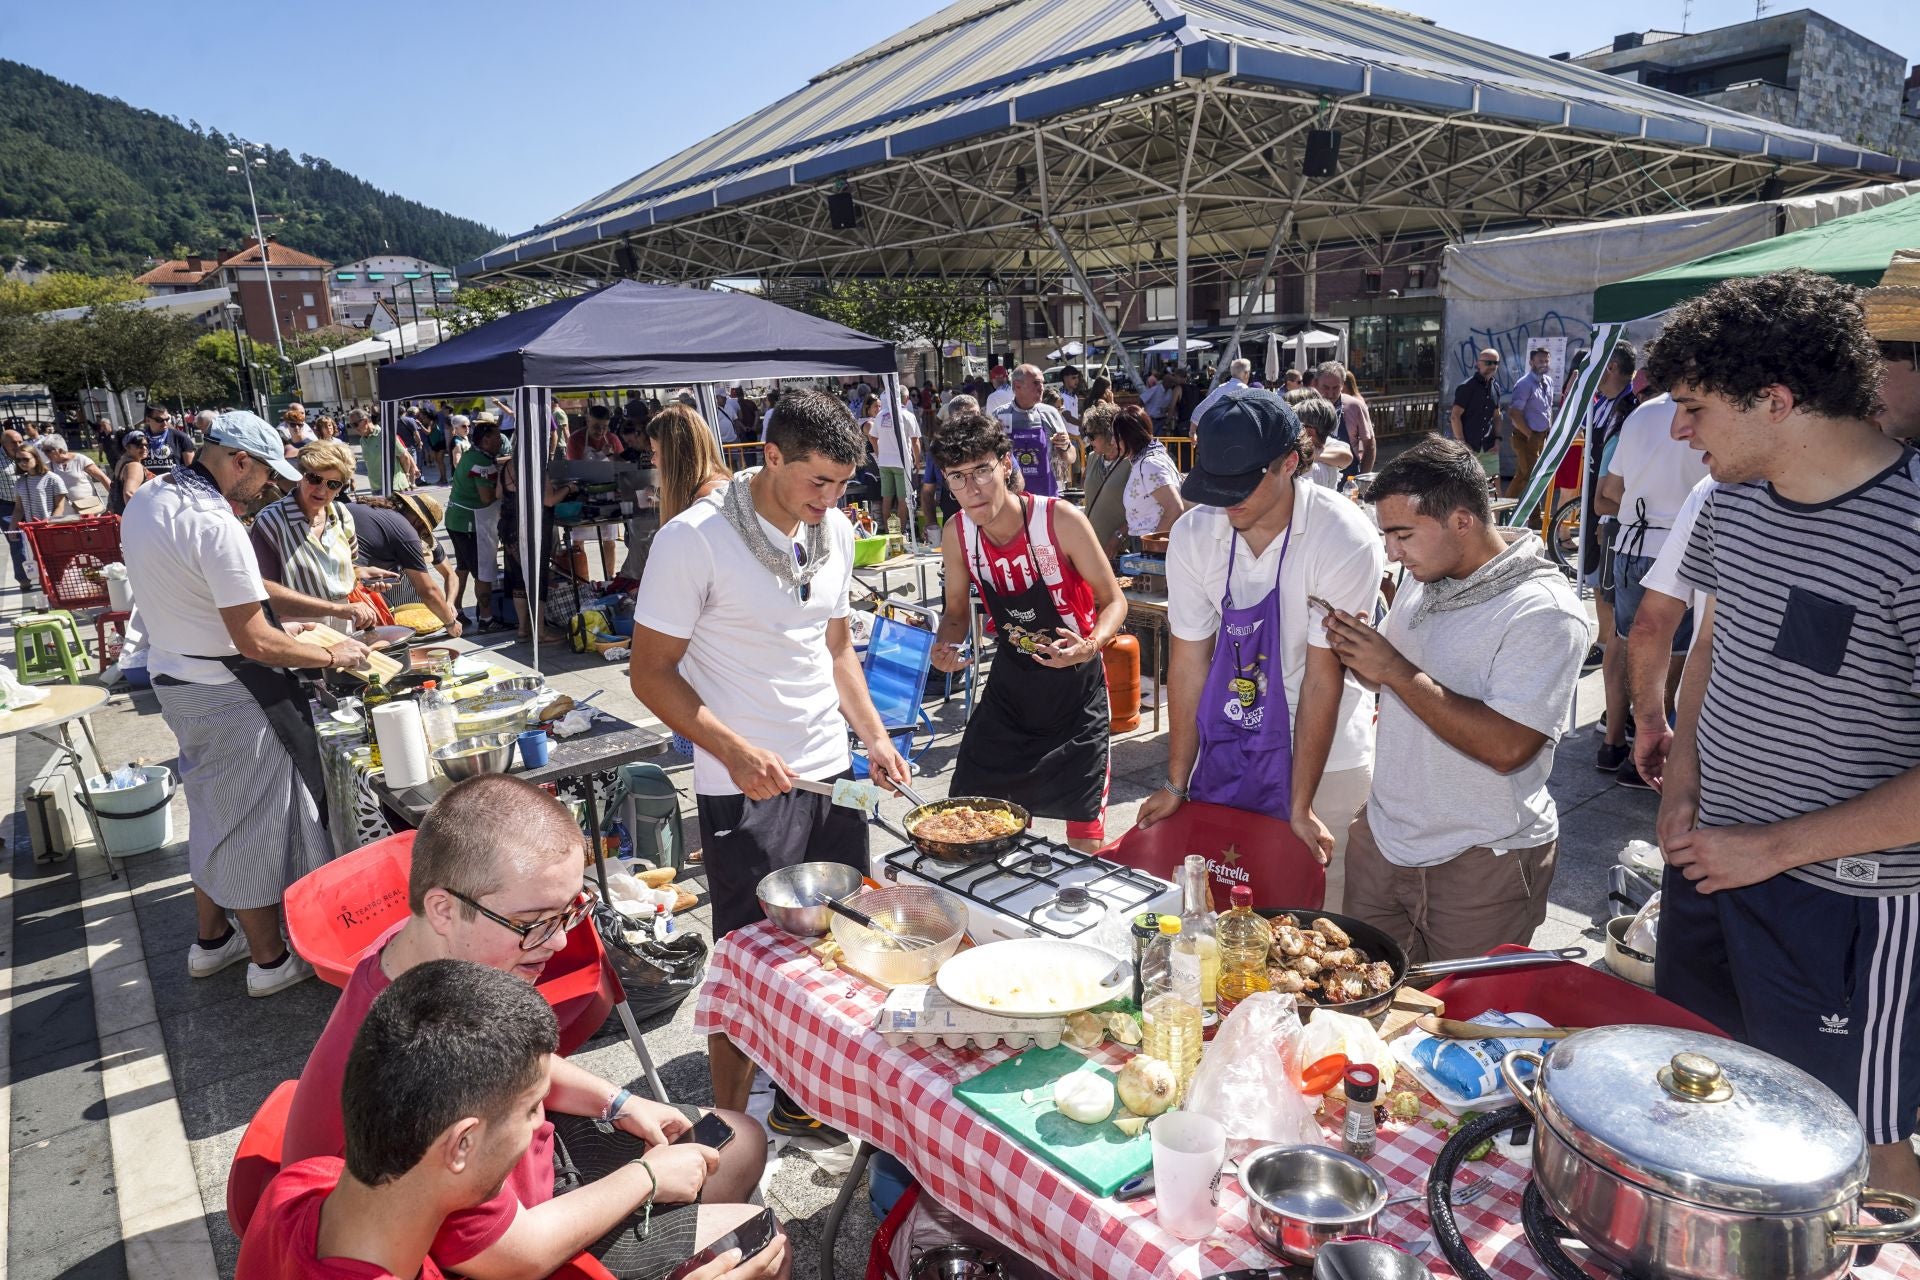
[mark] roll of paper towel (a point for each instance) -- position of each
(403, 743)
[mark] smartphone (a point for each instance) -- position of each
(709, 1131)
(1322, 605)
(749, 1238)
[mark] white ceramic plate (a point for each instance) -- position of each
(1032, 978)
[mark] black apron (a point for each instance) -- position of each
(1038, 736)
(283, 699)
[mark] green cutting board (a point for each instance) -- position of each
(1097, 1156)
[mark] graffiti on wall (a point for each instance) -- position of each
(1512, 342)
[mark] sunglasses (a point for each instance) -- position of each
(540, 932)
(315, 478)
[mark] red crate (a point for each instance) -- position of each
(67, 551)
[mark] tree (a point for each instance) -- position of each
(927, 310)
(58, 290)
(217, 368)
(483, 304)
(116, 346)
(317, 342)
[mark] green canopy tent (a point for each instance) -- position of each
(1855, 249)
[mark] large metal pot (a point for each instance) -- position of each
(1677, 1154)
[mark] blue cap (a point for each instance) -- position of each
(250, 433)
(1240, 436)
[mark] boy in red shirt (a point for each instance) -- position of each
(498, 878)
(442, 1095)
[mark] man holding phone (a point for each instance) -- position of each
(1262, 715)
(498, 878)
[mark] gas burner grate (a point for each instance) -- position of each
(1033, 863)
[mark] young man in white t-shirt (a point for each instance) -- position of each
(1284, 535)
(741, 645)
(1647, 481)
(896, 469)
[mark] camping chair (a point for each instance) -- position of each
(898, 659)
(335, 915)
(1241, 847)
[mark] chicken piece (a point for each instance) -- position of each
(1379, 976)
(1343, 958)
(1342, 985)
(1289, 942)
(1288, 981)
(1306, 966)
(1286, 918)
(1316, 944)
(1333, 933)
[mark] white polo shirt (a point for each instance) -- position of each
(1335, 553)
(1200, 410)
(756, 653)
(187, 558)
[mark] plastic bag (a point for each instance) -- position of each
(1246, 1081)
(656, 975)
(1643, 935)
(1333, 1034)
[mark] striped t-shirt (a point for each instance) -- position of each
(1814, 695)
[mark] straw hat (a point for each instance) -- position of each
(1893, 307)
(424, 509)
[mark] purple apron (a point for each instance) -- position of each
(1246, 732)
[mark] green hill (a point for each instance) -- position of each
(88, 183)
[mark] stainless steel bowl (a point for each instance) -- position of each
(790, 896)
(465, 758)
(1301, 1197)
(528, 685)
(910, 910)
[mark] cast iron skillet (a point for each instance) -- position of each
(962, 851)
(1378, 945)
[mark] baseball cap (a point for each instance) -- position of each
(998, 371)
(1241, 435)
(252, 434)
(134, 437)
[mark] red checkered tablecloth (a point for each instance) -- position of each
(812, 1029)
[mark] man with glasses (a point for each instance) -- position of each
(1474, 419)
(1039, 734)
(167, 445)
(498, 879)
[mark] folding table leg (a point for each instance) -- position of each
(78, 763)
(640, 1048)
(856, 1174)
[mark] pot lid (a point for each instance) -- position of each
(1702, 1119)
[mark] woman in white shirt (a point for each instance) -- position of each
(1321, 421)
(79, 475)
(1153, 488)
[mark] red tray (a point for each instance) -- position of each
(1566, 995)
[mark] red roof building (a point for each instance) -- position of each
(290, 287)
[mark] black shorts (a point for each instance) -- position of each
(1822, 979)
(583, 1152)
(742, 841)
(466, 552)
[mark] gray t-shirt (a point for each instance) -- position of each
(1520, 653)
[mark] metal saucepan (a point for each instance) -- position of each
(1379, 945)
(1678, 1154)
(957, 850)
(1302, 1197)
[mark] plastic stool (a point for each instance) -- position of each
(118, 619)
(45, 645)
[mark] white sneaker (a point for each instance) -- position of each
(204, 962)
(268, 982)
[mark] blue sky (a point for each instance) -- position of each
(513, 112)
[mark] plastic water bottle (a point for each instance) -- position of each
(436, 715)
(1170, 1000)
(663, 930)
(1196, 921)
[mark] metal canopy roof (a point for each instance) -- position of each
(973, 138)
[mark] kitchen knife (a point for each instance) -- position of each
(1264, 1273)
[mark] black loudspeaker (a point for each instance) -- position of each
(623, 258)
(1323, 153)
(842, 213)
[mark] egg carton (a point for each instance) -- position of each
(922, 1015)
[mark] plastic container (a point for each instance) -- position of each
(136, 819)
(1170, 1000)
(1243, 939)
(436, 715)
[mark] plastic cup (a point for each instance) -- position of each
(533, 748)
(1188, 1150)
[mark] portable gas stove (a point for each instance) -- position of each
(1037, 889)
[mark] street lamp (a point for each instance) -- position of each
(266, 276)
(245, 366)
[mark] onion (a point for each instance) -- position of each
(1084, 1096)
(1083, 1031)
(1146, 1086)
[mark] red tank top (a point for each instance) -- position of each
(1009, 567)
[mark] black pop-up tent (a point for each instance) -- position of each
(624, 335)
